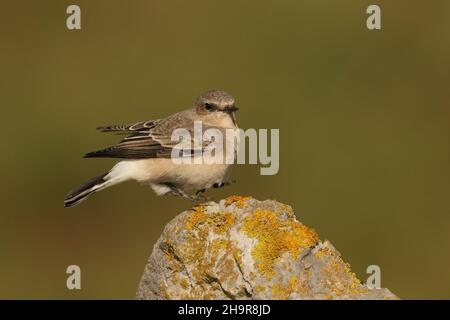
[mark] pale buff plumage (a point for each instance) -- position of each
(147, 150)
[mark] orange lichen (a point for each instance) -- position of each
(276, 237)
(238, 200)
(197, 216)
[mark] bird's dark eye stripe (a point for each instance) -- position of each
(209, 106)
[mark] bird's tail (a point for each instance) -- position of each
(83, 192)
(122, 171)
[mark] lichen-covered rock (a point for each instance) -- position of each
(242, 248)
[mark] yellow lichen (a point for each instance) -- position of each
(259, 288)
(219, 244)
(238, 200)
(287, 209)
(220, 222)
(276, 237)
(341, 280)
(184, 283)
(205, 237)
(320, 253)
(208, 296)
(281, 292)
(340, 267)
(197, 216)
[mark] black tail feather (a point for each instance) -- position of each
(81, 193)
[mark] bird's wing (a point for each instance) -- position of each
(131, 127)
(149, 139)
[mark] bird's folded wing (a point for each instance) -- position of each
(150, 139)
(129, 128)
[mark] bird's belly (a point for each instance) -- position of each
(188, 177)
(198, 176)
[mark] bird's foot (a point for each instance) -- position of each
(198, 197)
(175, 191)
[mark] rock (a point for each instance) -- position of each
(242, 248)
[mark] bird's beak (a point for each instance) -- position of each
(230, 109)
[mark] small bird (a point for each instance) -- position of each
(147, 150)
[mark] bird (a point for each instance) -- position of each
(146, 152)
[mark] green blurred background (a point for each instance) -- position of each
(364, 124)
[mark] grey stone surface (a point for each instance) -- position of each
(242, 248)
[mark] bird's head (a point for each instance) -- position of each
(218, 103)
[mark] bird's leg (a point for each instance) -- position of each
(199, 196)
(175, 191)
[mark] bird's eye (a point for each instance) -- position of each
(209, 106)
